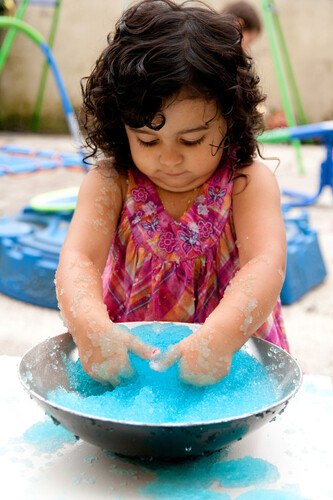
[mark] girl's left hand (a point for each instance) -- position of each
(202, 359)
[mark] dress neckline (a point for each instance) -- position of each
(190, 203)
(191, 234)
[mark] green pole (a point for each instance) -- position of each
(291, 77)
(42, 84)
(267, 7)
(8, 22)
(13, 22)
(9, 38)
(277, 135)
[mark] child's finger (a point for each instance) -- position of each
(141, 349)
(164, 362)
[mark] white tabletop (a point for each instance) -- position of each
(289, 459)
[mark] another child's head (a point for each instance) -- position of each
(160, 51)
(248, 18)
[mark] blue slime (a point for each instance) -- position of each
(162, 398)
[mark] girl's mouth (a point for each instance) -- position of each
(176, 174)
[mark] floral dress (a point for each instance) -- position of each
(161, 269)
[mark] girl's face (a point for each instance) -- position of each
(183, 154)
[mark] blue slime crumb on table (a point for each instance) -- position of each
(159, 398)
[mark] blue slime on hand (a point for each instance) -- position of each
(158, 398)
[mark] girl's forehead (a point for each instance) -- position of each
(188, 95)
(184, 115)
(190, 106)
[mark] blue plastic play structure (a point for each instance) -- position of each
(305, 264)
(30, 242)
(30, 245)
(322, 132)
(16, 159)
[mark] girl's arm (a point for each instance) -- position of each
(205, 356)
(103, 346)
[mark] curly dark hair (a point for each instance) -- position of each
(160, 48)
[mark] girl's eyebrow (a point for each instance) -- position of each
(200, 128)
(141, 131)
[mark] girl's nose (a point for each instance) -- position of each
(171, 157)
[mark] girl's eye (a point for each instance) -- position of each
(192, 143)
(146, 144)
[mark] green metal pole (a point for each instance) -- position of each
(9, 22)
(277, 135)
(9, 38)
(291, 77)
(42, 84)
(278, 62)
(13, 22)
(267, 9)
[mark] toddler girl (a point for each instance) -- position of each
(178, 221)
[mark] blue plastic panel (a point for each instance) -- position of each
(305, 264)
(30, 245)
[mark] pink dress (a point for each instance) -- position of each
(161, 269)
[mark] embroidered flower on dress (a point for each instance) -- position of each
(138, 217)
(200, 202)
(205, 228)
(202, 209)
(149, 208)
(164, 219)
(139, 194)
(167, 242)
(193, 227)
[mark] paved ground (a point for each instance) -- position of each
(309, 321)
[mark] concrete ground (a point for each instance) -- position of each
(309, 321)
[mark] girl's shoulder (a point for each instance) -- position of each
(253, 178)
(106, 173)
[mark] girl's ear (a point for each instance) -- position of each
(241, 22)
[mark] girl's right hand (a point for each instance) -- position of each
(104, 355)
(203, 360)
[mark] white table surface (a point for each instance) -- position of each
(289, 459)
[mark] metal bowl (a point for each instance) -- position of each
(42, 369)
